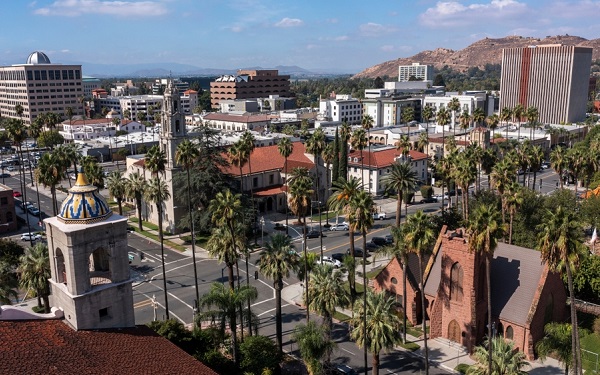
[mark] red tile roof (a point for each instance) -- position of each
(188, 92)
(268, 158)
(270, 191)
(52, 347)
(236, 118)
(381, 158)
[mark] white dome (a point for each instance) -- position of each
(38, 57)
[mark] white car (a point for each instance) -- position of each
(379, 216)
(340, 226)
(332, 262)
(30, 237)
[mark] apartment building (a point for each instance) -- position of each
(40, 86)
(420, 72)
(341, 108)
(249, 84)
(553, 78)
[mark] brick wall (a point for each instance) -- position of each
(384, 281)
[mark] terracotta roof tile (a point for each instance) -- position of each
(52, 347)
(268, 158)
(382, 158)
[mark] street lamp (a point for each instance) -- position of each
(262, 231)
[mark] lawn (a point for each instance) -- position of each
(590, 352)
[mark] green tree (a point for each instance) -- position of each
(48, 173)
(345, 134)
(335, 167)
(518, 112)
(559, 240)
(505, 115)
(400, 180)
(313, 345)
(380, 330)
(34, 272)
(443, 118)
(134, 189)
(116, 185)
(557, 342)
(484, 230)
(315, 145)
(359, 142)
(275, 262)
(514, 200)
(8, 283)
(506, 359)
(259, 355)
(285, 148)
(454, 107)
(49, 139)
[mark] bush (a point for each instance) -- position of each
(462, 368)
(259, 353)
(426, 191)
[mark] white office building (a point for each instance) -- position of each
(341, 108)
(420, 72)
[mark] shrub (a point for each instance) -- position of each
(462, 368)
(259, 353)
(426, 191)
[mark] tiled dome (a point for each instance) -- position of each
(84, 204)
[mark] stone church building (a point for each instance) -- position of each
(525, 293)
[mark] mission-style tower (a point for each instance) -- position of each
(172, 125)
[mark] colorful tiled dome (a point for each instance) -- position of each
(84, 204)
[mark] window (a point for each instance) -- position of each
(394, 280)
(456, 283)
(3, 201)
(104, 313)
(255, 182)
(271, 179)
(509, 333)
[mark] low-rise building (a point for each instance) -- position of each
(340, 108)
(8, 217)
(237, 122)
(79, 130)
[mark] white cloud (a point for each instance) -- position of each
(339, 38)
(453, 13)
(289, 22)
(577, 9)
(74, 8)
(375, 29)
(65, 51)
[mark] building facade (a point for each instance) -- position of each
(249, 84)
(8, 217)
(553, 78)
(237, 122)
(40, 86)
(387, 110)
(341, 108)
(420, 72)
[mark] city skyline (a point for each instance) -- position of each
(318, 36)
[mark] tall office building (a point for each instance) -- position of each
(553, 78)
(249, 84)
(420, 72)
(40, 86)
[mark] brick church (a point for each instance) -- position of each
(525, 293)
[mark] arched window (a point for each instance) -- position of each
(456, 283)
(99, 266)
(454, 333)
(61, 272)
(509, 333)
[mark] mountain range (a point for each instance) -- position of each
(478, 54)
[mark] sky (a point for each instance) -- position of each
(319, 35)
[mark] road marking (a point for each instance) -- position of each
(268, 311)
(258, 303)
(170, 312)
(347, 351)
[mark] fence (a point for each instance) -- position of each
(589, 360)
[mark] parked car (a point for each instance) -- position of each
(17, 194)
(344, 370)
(338, 256)
(2, 175)
(26, 205)
(313, 234)
(372, 246)
(10, 168)
(452, 193)
(30, 237)
(545, 165)
(358, 252)
(429, 200)
(340, 226)
(332, 262)
(379, 241)
(389, 239)
(33, 210)
(379, 216)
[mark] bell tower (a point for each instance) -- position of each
(172, 124)
(89, 262)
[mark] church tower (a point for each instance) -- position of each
(172, 124)
(89, 262)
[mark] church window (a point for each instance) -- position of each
(177, 126)
(509, 333)
(394, 280)
(456, 283)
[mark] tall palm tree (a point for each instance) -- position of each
(557, 342)
(505, 115)
(503, 174)
(367, 123)
(315, 145)
(300, 199)
(275, 262)
(313, 345)
(559, 162)
(48, 173)
(464, 121)
(484, 230)
(465, 173)
(560, 242)
(380, 331)
(514, 200)
(359, 142)
(531, 114)
(247, 144)
(506, 359)
(518, 112)
(157, 191)
(134, 189)
(454, 108)
(420, 238)
(403, 145)
(345, 134)
(478, 116)
(423, 142)
(117, 185)
(8, 283)
(285, 148)
(443, 117)
(34, 271)
(185, 155)
(17, 133)
(536, 158)
(492, 122)
(328, 292)
(360, 215)
(329, 155)
(223, 302)
(428, 113)
(401, 180)
(489, 158)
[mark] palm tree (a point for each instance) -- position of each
(247, 144)
(505, 115)
(484, 230)
(345, 134)
(536, 158)
(557, 342)
(506, 359)
(95, 173)
(423, 142)
(478, 116)
(532, 115)
(401, 180)
(300, 200)
(359, 142)
(443, 117)
(329, 155)
(223, 302)
(492, 122)
(503, 174)
(185, 155)
(328, 292)
(464, 121)
(116, 185)
(313, 345)
(408, 115)
(285, 148)
(380, 331)
(559, 240)
(465, 173)
(428, 113)
(367, 124)
(454, 107)
(559, 162)
(275, 262)
(48, 173)
(157, 191)
(518, 113)
(403, 145)
(488, 159)
(420, 238)
(8, 283)
(514, 200)
(316, 145)
(34, 270)
(134, 189)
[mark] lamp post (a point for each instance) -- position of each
(262, 231)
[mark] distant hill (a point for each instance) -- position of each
(478, 54)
